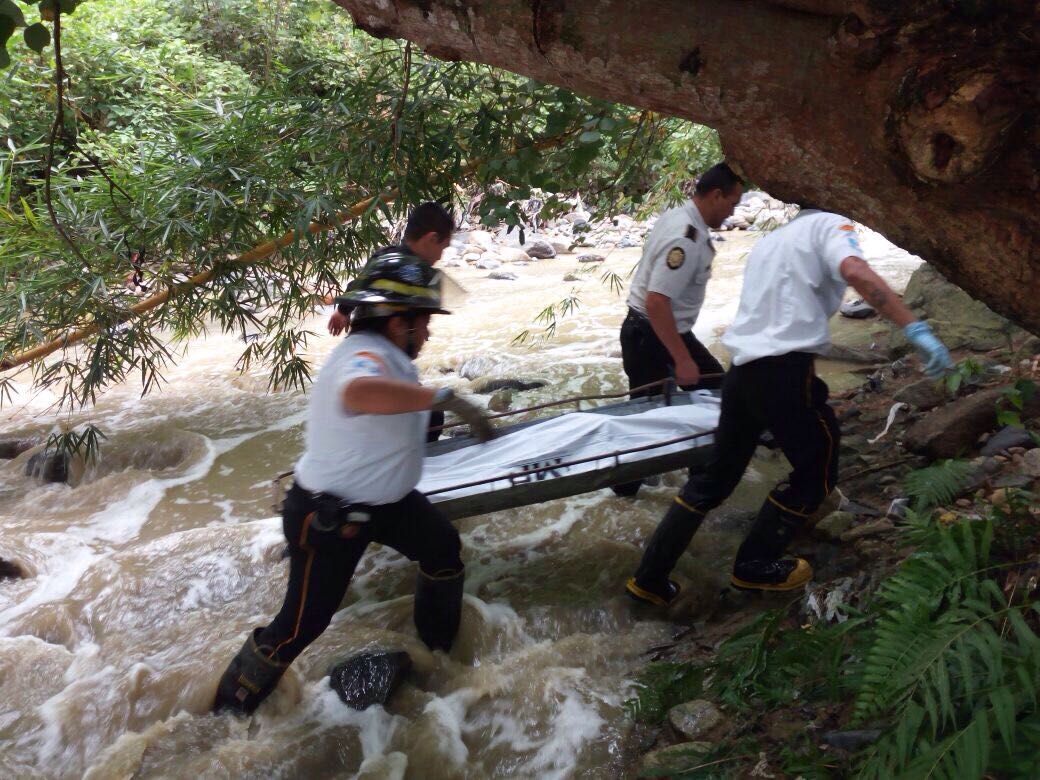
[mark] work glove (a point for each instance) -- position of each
(445, 400)
(933, 353)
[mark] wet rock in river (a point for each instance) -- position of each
(505, 276)
(369, 678)
(694, 719)
(12, 448)
(491, 385)
(49, 466)
(590, 257)
(9, 570)
(572, 277)
(488, 263)
(540, 249)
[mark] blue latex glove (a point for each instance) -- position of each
(932, 351)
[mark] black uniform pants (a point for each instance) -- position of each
(647, 360)
(321, 563)
(781, 394)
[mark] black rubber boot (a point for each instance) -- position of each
(759, 565)
(438, 607)
(249, 678)
(670, 540)
(658, 595)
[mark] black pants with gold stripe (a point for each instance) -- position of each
(321, 564)
(780, 394)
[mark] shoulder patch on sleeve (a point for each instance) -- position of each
(691, 232)
(675, 258)
(366, 362)
(846, 226)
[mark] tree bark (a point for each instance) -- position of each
(920, 119)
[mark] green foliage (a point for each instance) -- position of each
(196, 131)
(1013, 400)
(936, 484)
(952, 666)
(962, 372)
(662, 685)
(86, 442)
(944, 659)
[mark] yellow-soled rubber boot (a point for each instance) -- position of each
(659, 597)
(784, 574)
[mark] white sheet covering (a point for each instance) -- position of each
(566, 438)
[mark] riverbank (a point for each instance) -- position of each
(781, 686)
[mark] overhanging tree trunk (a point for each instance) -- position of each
(920, 119)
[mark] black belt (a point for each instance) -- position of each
(332, 512)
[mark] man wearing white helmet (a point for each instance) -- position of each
(355, 483)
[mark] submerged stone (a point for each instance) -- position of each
(48, 466)
(369, 678)
(9, 570)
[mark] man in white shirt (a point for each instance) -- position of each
(794, 282)
(667, 292)
(355, 482)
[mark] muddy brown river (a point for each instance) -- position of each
(145, 577)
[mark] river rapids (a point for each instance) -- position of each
(145, 577)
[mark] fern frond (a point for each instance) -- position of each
(937, 484)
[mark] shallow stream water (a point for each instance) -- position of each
(145, 577)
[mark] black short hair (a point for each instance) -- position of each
(429, 217)
(717, 177)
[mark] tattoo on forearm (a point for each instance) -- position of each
(876, 296)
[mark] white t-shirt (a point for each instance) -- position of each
(676, 262)
(367, 458)
(792, 287)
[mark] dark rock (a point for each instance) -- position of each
(857, 309)
(49, 466)
(1007, 437)
(861, 509)
(923, 394)
(12, 448)
(539, 249)
(493, 385)
(591, 257)
(848, 414)
(572, 277)
(9, 570)
(505, 276)
(369, 678)
(851, 740)
(853, 445)
(954, 428)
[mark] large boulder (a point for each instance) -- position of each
(958, 319)
(949, 431)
